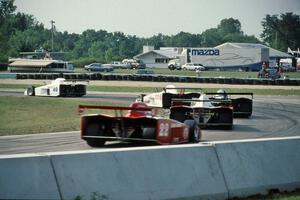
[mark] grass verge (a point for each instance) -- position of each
(26, 115)
(13, 86)
(268, 91)
(275, 196)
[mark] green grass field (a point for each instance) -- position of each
(276, 196)
(26, 115)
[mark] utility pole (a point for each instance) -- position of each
(276, 38)
(52, 30)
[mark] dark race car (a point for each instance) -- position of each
(203, 112)
(241, 103)
(137, 124)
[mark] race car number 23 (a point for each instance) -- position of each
(164, 129)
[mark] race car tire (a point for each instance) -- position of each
(226, 117)
(30, 91)
(149, 133)
(93, 129)
(193, 131)
(171, 67)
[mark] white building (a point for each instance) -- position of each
(158, 58)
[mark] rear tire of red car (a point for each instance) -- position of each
(193, 131)
(93, 129)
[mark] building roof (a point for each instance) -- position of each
(272, 52)
(163, 53)
(31, 63)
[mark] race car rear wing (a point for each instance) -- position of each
(232, 93)
(182, 89)
(168, 97)
(82, 108)
(74, 81)
(201, 100)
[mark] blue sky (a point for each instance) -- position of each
(146, 18)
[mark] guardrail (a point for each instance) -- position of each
(160, 78)
(218, 170)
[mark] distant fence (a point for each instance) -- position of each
(159, 78)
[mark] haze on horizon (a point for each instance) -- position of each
(145, 18)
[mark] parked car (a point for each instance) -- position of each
(288, 68)
(193, 66)
(144, 72)
(118, 65)
(135, 64)
(174, 64)
(98, 67)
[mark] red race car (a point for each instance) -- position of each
(138, 124)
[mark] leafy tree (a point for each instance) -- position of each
(22, 21)
(156, 40)
(184, 39)
(230, 26)
(108, 55)
(281, 32)
(211, 37)
(7, 8)
(29, 40)
(237, 37)
(6, 11)
(229, 30)
(97, 50)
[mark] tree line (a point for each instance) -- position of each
(20, 32)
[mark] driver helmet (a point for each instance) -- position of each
(171, 89)
(138, 113)
(221, 94)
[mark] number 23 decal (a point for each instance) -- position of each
(164, 129)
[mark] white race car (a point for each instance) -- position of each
(242, 106)
(191, 106)
(60, 87)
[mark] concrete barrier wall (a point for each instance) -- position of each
(189, 172)
(256, 167)
(27, 177)
(214, 171)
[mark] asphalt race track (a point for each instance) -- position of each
(273, 116)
